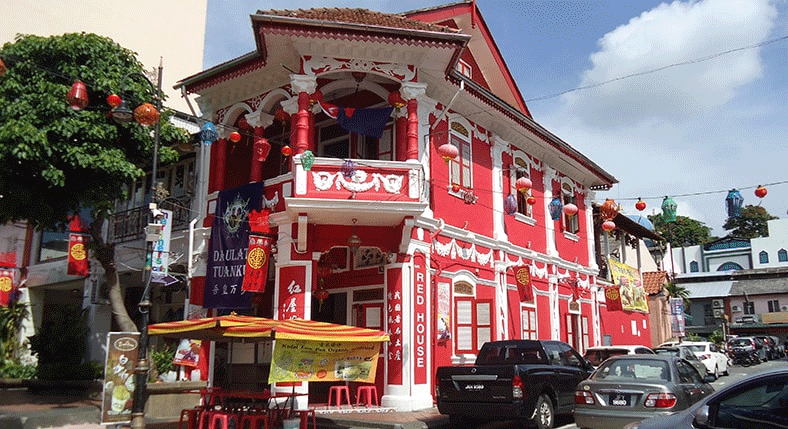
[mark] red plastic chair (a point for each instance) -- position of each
(368, 395)
(336, 393)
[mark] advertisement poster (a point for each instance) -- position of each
(444, 310)
(677, 317)
(298, 360)
(188, 353)
(161, 249)
(116, 400)
(633, 295)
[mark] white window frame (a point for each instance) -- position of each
(461, 168)
(570, 224)
(524, 210)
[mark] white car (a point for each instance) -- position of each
(715, 360)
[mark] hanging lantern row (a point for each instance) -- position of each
(77, 96)
(531, 200)
(261, 148)
(448, 152)
(286, 151)
(608, 210)
(570, 209)
(208, 133)
(307, 159)
(510, 205)
(348, 169)
(733, 203)
(235, 136)
(669, 209)
(608, 226)
(760, 191)
(640, 205)
(523, 184)
(556, 208)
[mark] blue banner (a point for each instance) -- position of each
(369, 122)
(228, 247)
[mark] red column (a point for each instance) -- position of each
(413, 130)
(312, 143)
(302, 124)
(256, 172)
(219, 166)
(402, 142)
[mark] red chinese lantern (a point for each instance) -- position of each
(396, 100)
(608, 225)
(523, 184)
(640, 205)
(570, 209)
(261, 148)
(77, 96)
(315, 97)
(286, 150)
(760, 191)
(531, 200)
(235, 136)
(146, 114)
(448, 151)
(320, 294)
(114, 100)
(609, 209)
(455, 187)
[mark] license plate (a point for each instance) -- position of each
(619, 400)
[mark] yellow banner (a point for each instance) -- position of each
(297, 360)
(633, 295)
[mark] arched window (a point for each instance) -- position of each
(460, 167)
(729, 266)
(473, 319)
(571, 223)
(693, 267)
(763, 257)
(782, 255)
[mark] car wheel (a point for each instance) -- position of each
(543, 416)
(716, 372)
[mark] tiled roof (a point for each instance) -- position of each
(653, 281)
(358, 16)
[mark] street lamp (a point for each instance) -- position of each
(145, 116)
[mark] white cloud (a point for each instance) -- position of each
(669, 34)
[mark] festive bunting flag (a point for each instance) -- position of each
(6, 287)
(613, 298)
(256, 272)
(367, 121)
(77, 255)
(523, 276)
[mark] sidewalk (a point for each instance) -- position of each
(20, 409)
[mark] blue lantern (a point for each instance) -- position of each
(510, 205)
(556, 208)
(348, 169)
(669, 209)
(307, 159)
(208, 133)
(733, 203)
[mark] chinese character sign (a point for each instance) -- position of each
(299, 360)
(292, 292)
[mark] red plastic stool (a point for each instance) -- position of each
(255, 420)
(368, 395)
(304, 415)
(221, 420)
(192, 417)
(336, 393)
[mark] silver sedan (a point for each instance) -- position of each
(630, 388)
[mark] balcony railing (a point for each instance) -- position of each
(128, 225)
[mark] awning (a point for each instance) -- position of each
(209, 328)
(715, 289)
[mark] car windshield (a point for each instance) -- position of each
(600, 355)
(669, 352)
(697, 348)
(631, 370)
(741, 342)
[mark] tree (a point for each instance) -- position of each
(683, 232)
(57, 160)
(751, 224)
(676, 290)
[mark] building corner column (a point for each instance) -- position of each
(303, 86)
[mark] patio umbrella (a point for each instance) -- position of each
(212, 328)
(308, 330)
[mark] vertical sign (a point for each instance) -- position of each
(444, 311)
(420, 318)
(122, 352)
(394, 323)
(161, 249)
(291, 292)
(677, 317)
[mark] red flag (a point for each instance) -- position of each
(523, 276)
(256, 273)
(77, 255)
(613, 298)
(6, 287)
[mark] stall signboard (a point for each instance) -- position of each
(627, 278)
(122, 353)
(299, 360)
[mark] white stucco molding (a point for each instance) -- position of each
(303, 83)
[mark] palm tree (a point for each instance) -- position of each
(676, 290)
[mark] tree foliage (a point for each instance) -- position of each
(684, 231)
(751, 224)
(57, 160)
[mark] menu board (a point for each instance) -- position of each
(118, 395)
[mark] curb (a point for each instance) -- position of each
(49, 418)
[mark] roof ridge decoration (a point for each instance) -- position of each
(359, 16)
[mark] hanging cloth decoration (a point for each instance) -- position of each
(733, 203)
(6, 287)
(669, 209)
(78, 264)
(613, 298)
(522, 275)
(367, 121)
(256, 273)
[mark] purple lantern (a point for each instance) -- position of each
(510, 205)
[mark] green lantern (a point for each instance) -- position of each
(307, 159)
(669, 209)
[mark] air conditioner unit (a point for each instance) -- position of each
(716, 303)
(735, 308)
(784, 308)
(719, 313)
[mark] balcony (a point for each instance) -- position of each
(128, 225)
(377, 193)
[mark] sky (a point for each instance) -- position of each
(682, 98)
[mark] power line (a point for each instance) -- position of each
(682, 63)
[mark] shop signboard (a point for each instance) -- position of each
(300, 360)
(118, 394)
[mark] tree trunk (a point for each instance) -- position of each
(105, 253)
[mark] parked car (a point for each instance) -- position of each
(630, 388)
(779, 346)
(715, 360)
(771, 352)
(747, 344)
(685, 353)
(598, 354)
(756, 401)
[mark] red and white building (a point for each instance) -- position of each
(399, 238)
